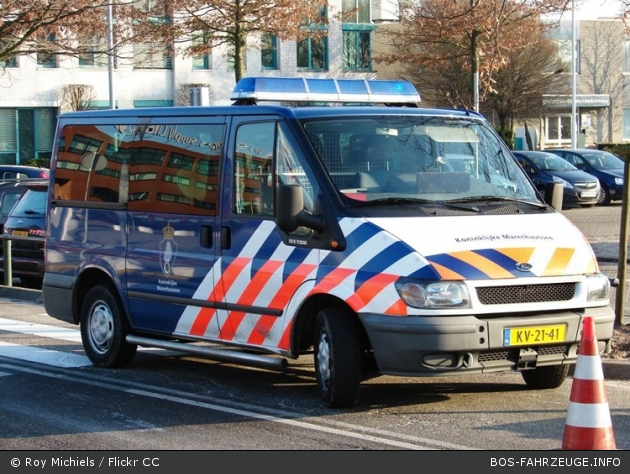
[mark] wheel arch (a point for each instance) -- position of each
(303, 330)
(87, 280)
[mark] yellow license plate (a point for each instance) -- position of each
(533, 335)
(20, 233)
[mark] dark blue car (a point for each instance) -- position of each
(608, 168)
(579, 188)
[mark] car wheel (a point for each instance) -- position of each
(604, 196)
(546, 377)
(104, 329)
(337, 358)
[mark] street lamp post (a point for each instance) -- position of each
(574, 126)
(110, 55)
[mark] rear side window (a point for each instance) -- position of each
(164, 168)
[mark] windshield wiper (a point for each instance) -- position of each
(399, 200)
(490, 198)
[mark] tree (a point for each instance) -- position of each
(231, 22)
(475, 34)
(527, 74)
(77, 97)
(72, 28)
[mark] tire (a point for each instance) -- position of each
(337, 358)
(604, 196)
(104, 329)
(546, 377)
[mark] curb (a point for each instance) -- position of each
(21, 294)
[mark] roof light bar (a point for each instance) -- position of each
(325, 90)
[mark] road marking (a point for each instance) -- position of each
(41, 330)
(296, 420)
(43, 356)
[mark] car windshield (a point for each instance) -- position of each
(433, 158)
(604, 161)
(32, 203)
(550, 162)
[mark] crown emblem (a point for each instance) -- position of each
(168, 232)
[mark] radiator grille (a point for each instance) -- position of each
(526, 293)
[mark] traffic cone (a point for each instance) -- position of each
(588, 425)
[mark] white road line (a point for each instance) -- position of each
(62, 334)
(43, 356)
(41, 330)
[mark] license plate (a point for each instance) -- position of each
(20, 233)
(533, 335)
(588, 194)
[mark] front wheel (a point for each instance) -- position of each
(551, 376)
(337, 358)
(104, 329)
(604, 197)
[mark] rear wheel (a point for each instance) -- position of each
(337, 358)
(546, 377)
(104, 329)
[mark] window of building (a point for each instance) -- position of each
(26, 133)
(92, 55)
(312, 54)
(558, 130)
(563, 36)
(203, 60)
(149, 56)
(626, 55)
(357, 35)
(269, 52)
(626, 125)
(357, 48)
(356, 11)
(45, 59)
(9, 62)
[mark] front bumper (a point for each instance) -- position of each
(438, 345)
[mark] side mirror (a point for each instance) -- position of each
(290, 210)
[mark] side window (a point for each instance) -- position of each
(292, 170)
(175, 168)
(253, 169)
(92, 164)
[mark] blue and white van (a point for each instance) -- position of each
(343, 230)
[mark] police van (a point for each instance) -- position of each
(340, 219)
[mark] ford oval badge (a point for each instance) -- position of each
(523, 267)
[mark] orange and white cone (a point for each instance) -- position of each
(588, 425)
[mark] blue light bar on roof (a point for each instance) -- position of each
(300, 89)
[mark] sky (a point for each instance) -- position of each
(592, 9)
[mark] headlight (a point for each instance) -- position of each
(619, 181)
(433, 295)
(598, 287)
(564, 182)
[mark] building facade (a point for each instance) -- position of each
(32, 88)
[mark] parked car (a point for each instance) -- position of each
(27, 219)
(18, 172)
(579, 187)
(605, 166)
(10, 192)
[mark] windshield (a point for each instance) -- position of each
(32, 203)
(417, 157)
(551, 162)
(603, 161)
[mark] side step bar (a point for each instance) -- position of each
(254, 360)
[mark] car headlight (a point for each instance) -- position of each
(433, 295)
(598, 287)
(619, 181)
(564, 182)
